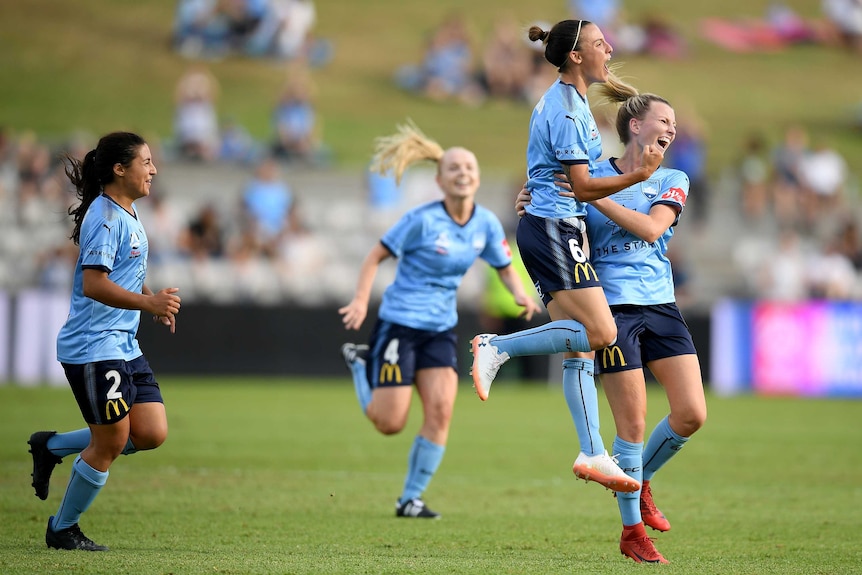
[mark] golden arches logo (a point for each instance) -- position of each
(114, 405)
(587, 269)
(390, 372)
(611, 354)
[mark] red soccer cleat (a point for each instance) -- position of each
(651, 514)
(635, 544)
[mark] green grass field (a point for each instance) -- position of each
(285, 476)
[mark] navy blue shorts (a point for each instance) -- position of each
(397, 352)
(106, 390)
(645, 333)
(552, 250)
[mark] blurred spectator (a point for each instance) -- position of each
(844, 23)
(237, 144)
(783, 273)
(196, 125)
(823, 174)
(786, 182)
(753, 174)
(447, 70)
(199, 29)
(850, 242)
(831, 274)
(164, 227)
(204, 237)
(688, 154)
(296, 39)
(295, 121)
(268, 205)
(55, 267)
(506, 62)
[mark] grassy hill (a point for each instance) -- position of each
(99, 66)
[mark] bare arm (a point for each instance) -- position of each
(353, 314)
(648, 227)
(163, 304)
(587, 189)
(509, 277)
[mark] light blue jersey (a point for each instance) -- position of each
(112, 240)
(562, 131)
(631, 270)
(434, 252)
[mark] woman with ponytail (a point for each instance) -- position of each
(413, 341)
(564, 138)
(110, 378)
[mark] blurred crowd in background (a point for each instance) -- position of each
(787, 212)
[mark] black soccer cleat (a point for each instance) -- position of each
(70, 539)
(43, 462)
(415, 508)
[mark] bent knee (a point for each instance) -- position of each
(602, 338)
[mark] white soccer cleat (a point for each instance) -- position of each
(486, 363)
(603, 469)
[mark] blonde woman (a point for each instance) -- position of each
(413, 341)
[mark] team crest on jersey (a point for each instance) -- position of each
(479, 241)
(650, 189)
(674, 195)
(594, 131)
(441, 244)
(135, 245)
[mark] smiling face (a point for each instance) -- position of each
(458, 174)
(656, 128)
(593, 54)
(137, 177)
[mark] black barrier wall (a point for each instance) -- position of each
(245, 340)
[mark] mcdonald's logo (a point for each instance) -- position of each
(390, 372)
(611, 354)
(114, 405)
(587, 269)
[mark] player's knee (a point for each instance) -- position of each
(388, 425)
(603, 336)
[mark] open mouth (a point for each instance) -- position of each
(663, 142)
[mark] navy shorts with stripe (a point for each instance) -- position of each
(645, 333)
(106, 390)
(396, 352)
(552, 251)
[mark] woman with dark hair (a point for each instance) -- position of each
(113, 384)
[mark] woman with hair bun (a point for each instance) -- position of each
(564, 138)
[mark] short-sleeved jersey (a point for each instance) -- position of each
(562, 131)
(631, 270)
(434, 252)
(112, 240)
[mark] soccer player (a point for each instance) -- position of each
(413, 341)
(564, 136)
(628, 234)
(110, 378)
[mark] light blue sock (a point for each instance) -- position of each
(554, 337)
(63, 444)
(84, 484)
(360, 383)
(662, 444)
(629, 457)
(579, 387)
(422, 463)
